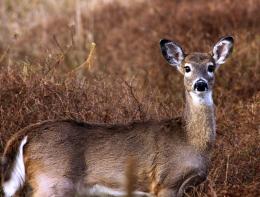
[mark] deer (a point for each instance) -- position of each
(54, 157)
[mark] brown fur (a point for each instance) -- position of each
(198, 57)
(169, 155)
(93, 153)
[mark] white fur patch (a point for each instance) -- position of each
(189, 73)
(99, 190)
(210, 73)
(48, 184)
(180, 53)
(45, 183)
(202, 98)
(18, 174)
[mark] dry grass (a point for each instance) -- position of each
(129, 79)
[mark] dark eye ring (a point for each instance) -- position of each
(187, 69)
(211, 68)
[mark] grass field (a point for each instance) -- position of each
(42, 42)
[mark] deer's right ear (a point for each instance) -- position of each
(172, 52)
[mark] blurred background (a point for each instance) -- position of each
(44, 45)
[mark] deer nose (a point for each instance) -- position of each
(201, 85)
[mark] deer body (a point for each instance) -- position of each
(60, 156)
(101, 158)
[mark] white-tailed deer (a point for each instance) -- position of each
(54, 157)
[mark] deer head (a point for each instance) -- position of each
(197, 68)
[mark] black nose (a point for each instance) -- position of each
(201, 85)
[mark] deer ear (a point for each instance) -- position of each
(172, 52)
(222, 49)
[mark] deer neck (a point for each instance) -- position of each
(200, 120)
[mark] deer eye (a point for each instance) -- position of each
(187, 69)
(211, 68)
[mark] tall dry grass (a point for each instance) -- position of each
(42, 41)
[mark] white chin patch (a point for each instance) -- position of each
(202, 98)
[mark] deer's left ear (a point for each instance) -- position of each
(222, 49)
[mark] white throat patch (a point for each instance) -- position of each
(202, 98)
